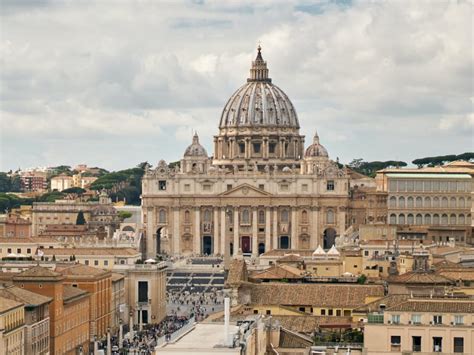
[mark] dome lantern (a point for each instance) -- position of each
(259, 70)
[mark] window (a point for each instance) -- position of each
(255, 311)
(395, 342)
(393, 219)
(419, 202)
(458, 345)
(272, 148)
(96, 262)
(229, 187)
(302, 309)
(18, 250)
(242, 148)
(256, 148)
(187, 217)
(395, 318)
(28, 250)
(187, 187)
(142, 291)
(330, 313)
(86, 262)
(416, 341)
(416, 318)
(366, 253)
(245, 216)
(401, 202)
(207, 216)
(268, 312)
(437, 344)
(261, 187)
(162, 216)
(393, 202)
(437, 319)
(410, 202)
(206, 187)
(162, 185)
(304, 216)
(338, 312)
(106, 262)
(410, 219)
(261, 217)
(9, 250)
(330, 185)
(330, 217)
(323, 312)
(285, 216)
(458, 320)
(304, 187)
(284, 187)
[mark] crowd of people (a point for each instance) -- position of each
(198, 305)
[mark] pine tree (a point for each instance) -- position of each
(80, 220)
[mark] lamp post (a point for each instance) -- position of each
(109, 342)
(120, 333)
(96, 346)
(227, 255)
(131, 323)
(140, 316)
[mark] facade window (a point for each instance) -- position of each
(28, 250)
(392, 186)
(419, 219)
(187, 187)
(242, 148)
(410, 219)
(402, 186)
(187, 217)
(436, 202)
(323, 312)
(461, 219)
(401, 219)
(272, 148)
(284, 187)
(330, 217)
(427, 219)
(261, 217)
(437, 319)
(142, 291)
(206, 187)
(436, 219)
(256, 148)
(410, 185)
(395, 342)
(452, 202)
(245, 216)
(304, 216)
(443, 186)
(444, 202)
(427, 186)
(18, 250)
(437, 344)
(395, 318)
(458, 345)
(304, 187)
(416, 318)
(285, 216)
(444, 219)
(229, 187)
(393, 202)
(106, 262)
(162, 185)
(452, 219)
(419, 202)
(410, 202)
(401, 202)
(416, 340)
(162, 216)
(330, 185)
(458, 320)
(86, 262)
(461, 203)
(419, 186)
(393, 219)
(261, 187)
(207, 216)
(427, 202)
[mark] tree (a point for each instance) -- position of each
(361, 280)
(124, 215)
(74, 190)
(80, 220)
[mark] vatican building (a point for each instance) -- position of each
(263, 187)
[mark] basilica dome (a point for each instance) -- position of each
(259, 102)
(195, 149)
(316, 149)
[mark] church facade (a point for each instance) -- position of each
(260, 190)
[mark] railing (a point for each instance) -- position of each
(177, 334)
(340, 345)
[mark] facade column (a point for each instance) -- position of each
(293, 229)
(215, 237)
(314, 239)
(223, 232)
(176, 237)
(216, 153)
(341, 220)
(236, 230)
(267, 230)
(254, 232)
(150, 233)
(197, 230)
(275, 228)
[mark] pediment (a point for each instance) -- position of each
(245, 190)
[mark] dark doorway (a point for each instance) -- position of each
(158, 240)
(245, 244)
(144, 316)
(207, 245)
(329, 238)
(231, 249)
(261, 248)
(284, 242)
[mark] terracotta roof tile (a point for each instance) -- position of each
(277, 272)
(38, 272)
(80, 270)
(70, 293)
(237, 272)
(24, 296)
(92, 251)
(8, 304)
(435, 305)
(414, 277)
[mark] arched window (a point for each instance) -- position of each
(187, 217)
(461, 219)
(261, 217)
(436, 202)
(330, 217)
(410, 219)
(245, 216)
(444, 219)
(452, 219)
(410, 202)
(393, 219)
(427, 202)
(207, 216)
(419, 202)
(452, 202)
(461, 202)
(401, 202)
(444, 202)
(304, 216)
(393, 202)
(419, 219)
(435, 219)
(401, 219)
(427, 219)
(162, 216)
(285, 216)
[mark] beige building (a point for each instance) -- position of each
(435, 198)
(12, 327)
(260, 190)
(36, 317)
(422, 326)
(61, 182)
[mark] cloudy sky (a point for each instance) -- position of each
(114, 83)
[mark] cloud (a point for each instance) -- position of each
(379, 80)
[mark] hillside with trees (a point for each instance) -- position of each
(442, 159)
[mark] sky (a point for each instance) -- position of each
(115, 83)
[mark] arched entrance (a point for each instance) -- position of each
(329, 238)
(284, 242)
(207, 245)
(245, 244)
(158, 240)
(261, 248)
(128, 229)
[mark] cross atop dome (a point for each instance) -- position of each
(259, 70)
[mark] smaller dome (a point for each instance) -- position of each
(316, 149)
(103, 210)
(195, 149)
